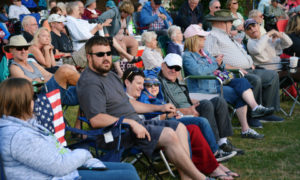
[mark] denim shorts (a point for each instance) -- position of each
(68, 96)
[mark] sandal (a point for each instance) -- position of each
(232, 174)
(222, 177)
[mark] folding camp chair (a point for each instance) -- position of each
(281, 25)
(162, 42)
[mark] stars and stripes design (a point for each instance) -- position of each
(48, 110)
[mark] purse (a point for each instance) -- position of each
(225, 76)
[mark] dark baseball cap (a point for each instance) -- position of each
(249, 22)
(157, 2)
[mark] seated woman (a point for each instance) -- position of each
(176, 43)
(152, 56)
(202, 155)
(66, 74)
(197, 61)
(29, 150)
(42, 49)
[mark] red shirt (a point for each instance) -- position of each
(88, 14)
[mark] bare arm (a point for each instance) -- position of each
(142, 108)
(103, 120)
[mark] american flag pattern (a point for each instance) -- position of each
(48, 110)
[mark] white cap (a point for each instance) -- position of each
(173, 59)
(56, 18)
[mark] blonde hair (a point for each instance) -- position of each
(293, 25)
(35, 40)
(191, 43)
(148, 36)
(126, 7)
(16, 95)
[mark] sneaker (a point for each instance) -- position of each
(222, 156)
(261, 111)
(254, 123)
(251, 133)
(228, 147)
(271, 118)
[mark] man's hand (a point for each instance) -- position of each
(139, 130)
(162, 16)
(194, 112)
(107, 22)
(168, 108)
(243, 71)
(219, 59)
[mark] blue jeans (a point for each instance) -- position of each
(205, 128)
(115, 171)
(68, 96)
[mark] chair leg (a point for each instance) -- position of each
(162, 155)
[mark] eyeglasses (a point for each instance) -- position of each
(217, 7)
(151, 85)
(101, 54)
(20, 48)
(177, 68)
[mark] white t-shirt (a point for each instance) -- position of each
(16, 11)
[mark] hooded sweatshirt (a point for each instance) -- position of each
(29, 151)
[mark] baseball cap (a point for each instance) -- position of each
(173, 59)
(56, 18)
(249, 22)
(194, 30)
(157, 2)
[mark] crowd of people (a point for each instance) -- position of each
(91, 57)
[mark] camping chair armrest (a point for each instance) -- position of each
(237, 72)
(207, 78)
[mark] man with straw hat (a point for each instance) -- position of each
(20, 67)
(265, 82)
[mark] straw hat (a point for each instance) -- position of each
(16, 41)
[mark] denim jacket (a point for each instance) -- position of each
(195, 64)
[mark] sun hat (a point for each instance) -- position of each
(16, 41)
(173, 59)
(249, 22)
(56, 18)
(110, 4)
(194, 30)
(88, 2)
(151, 76)
(221, 15)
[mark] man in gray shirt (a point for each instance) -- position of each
(103, 100)
(265, 82)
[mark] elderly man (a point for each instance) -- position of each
(259, 18)
(191, 12)
(23, 68)
(264, 48)
(214, 5)
(103, 100)
(30, 26)
(215, 110)
(265, 82)
(156, 17)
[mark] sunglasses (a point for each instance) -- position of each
(150, 85)
(20, 48)
(235, 3)
(134, 71)
(177, 68)
(101, 54)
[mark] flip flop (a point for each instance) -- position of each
(221, 177)
(231, 173)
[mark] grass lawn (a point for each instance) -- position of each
(275, 157)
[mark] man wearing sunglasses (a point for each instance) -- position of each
(21, 67)
(214, 5)
(215, 110)
(103, 100)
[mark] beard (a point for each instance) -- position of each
(102, 69)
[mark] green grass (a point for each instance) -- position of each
(276, 157)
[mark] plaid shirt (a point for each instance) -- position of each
(158, 24)
(218, 42)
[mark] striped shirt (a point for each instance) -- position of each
(219, 42)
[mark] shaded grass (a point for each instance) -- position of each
(276, 157)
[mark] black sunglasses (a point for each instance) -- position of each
(235, 2)
(20, 48)
(150, 85)
(101, 54)
(177, 68)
